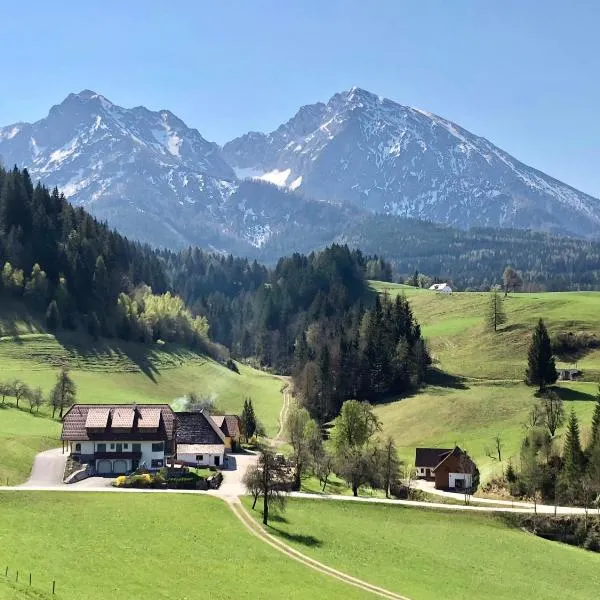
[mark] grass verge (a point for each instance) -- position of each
(428, 554)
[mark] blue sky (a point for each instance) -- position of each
(523, 73)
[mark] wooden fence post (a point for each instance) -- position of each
(53, 587)
(29, 578)
(17, 579)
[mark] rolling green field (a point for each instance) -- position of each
(115, 371)
(135, 546)
(428, 554)
(482, 392)
(109, 371)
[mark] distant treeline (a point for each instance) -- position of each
(476, 258)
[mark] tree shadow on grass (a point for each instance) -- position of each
(442, 379)
(306, 540)
(278, 519)
(569, 394)
(512, 327)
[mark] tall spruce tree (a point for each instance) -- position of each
(248, 419)
(495, 315)
(573, 460)
(541, 369)
(594, 442)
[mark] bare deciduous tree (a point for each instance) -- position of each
(6, 389)
(253, 481)
(553, 411)
(35, 398)
(268, 479)
(20, 390)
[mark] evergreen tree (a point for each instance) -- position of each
(495, 314)
(63, 393)
(594, 442)
(52, 316)
(573, 460)
(248, 419)
(389, 465)
(541, 369)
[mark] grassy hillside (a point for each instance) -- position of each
(137, 546)
(111, 371)
(483, 392)
(22, 436)
(428, 555)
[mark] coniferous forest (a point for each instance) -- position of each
(312, 316)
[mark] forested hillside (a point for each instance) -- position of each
(64, 263)
(476, 258)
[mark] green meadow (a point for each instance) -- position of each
(479, 390)
(428, 555)
(125, 546)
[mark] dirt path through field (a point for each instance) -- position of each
(242, 514)
(279, 439)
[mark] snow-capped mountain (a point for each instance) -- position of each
(157, 180)
(393, 159)
(149, 175)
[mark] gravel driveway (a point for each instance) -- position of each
(48, 469)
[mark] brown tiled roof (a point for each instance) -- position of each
(456, 451)
(76, 418)
(229, 424)
(122, 417)
(197, 428)
(149, 418)
(430, 457)
(97, 418)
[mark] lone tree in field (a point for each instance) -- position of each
(512, 280)
(495, 315)
(541, 369)
(356, 456)
(248, 419)
(63, 393)
(267, 479)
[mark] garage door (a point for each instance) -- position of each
(104, 467)
(120, 467)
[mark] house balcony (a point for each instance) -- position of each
(118, 455)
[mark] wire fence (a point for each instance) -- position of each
(28, 579)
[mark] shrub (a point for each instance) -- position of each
(230, 364)
(592, 540)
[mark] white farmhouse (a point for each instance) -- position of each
(443, 288)
(116, 439)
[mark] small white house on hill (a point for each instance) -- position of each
(443, 288)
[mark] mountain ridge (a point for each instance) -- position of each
(331, 165)
(393, 159)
